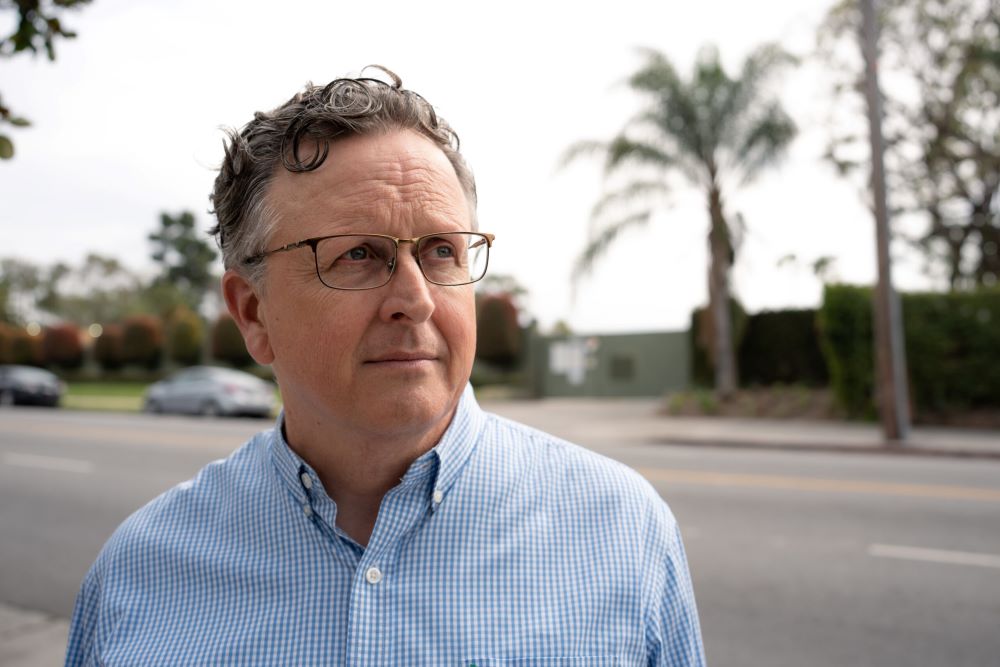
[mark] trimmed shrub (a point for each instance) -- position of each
(7, 335)
(952, 349)
(109, 348)
(142, 341)
(61, 346)
(26, 349)
(782, 347)
(185, 334)
(228, 344)
(702, 337)
(951, 344)
(499, 340)
(845, 324)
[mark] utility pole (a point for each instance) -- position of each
(890, 357)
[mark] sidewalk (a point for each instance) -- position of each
(593, 421)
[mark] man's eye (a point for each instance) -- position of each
(358, 253)
(438, 249)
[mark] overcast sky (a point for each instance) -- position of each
(126, 125)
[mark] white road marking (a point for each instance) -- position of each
(56, 463)
(933, 555)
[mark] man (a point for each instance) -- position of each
(386, 519)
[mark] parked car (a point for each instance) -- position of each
(27, 385)
(211, 391)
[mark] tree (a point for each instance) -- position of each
(184, 257)
(100, 289)
(38, 26)
(499, 338)
(940, 66)
(717, 132)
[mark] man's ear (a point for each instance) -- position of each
(245, 306)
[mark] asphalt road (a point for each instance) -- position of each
(798, 558)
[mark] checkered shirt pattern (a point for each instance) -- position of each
(500, 546)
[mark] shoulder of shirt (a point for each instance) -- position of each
(211, 496)
(580, 472)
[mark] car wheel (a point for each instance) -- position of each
(210, 409)
(6, 397)
(151, 407)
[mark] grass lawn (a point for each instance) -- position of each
(116, 396)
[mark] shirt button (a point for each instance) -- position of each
(373, 575)
(438, 496)
(307, 510)
(307, 481)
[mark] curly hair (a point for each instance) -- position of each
(297, 136)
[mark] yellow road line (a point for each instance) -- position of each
(789, 483)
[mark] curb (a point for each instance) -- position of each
(833, 447)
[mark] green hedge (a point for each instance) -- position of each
(702, 368)
(952, 342)
(782, 347)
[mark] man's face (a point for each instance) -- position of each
(389, 360)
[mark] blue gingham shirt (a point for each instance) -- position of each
(500, 546)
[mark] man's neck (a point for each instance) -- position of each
(358, 468)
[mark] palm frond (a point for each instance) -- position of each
(580, 149)
(636, 190)
(622, 149)
(598, 245)
(765, 141)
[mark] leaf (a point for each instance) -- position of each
(6, 148)
(19, 122)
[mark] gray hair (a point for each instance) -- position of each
(312, 119)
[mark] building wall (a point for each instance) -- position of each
(646, 364)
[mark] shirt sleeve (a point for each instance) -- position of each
(80, 649)
(673, 633)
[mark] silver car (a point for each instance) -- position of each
(211, 391)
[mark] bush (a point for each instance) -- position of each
(702, 337)
(845, 324)
(185, 335)
(109, 348)
(228, 344)
(142, 341)
(498, 335)
(7, 335)
(26, 349)
(782, 347)
(61, 346)
(951, 345)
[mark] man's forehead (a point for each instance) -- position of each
(397, 158)
(369, 173)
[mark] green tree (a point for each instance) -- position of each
(21, 286)
(100, 289)
(185, 258)
(38, 25)
(717, 132)
(939, 62)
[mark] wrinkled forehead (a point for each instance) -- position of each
(366, 175)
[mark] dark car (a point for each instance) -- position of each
(211, 391)
(26, 385)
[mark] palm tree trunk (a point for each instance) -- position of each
(718, 296)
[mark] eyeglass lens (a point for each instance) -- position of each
(359, 261)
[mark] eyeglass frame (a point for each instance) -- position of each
(314, 242)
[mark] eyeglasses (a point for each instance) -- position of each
(367, 261)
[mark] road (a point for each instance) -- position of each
(798, 558)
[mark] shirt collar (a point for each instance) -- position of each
(450, 454)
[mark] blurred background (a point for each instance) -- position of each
(680, 196)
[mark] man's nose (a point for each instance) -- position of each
(408, 294)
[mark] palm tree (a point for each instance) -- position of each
(715, 131)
